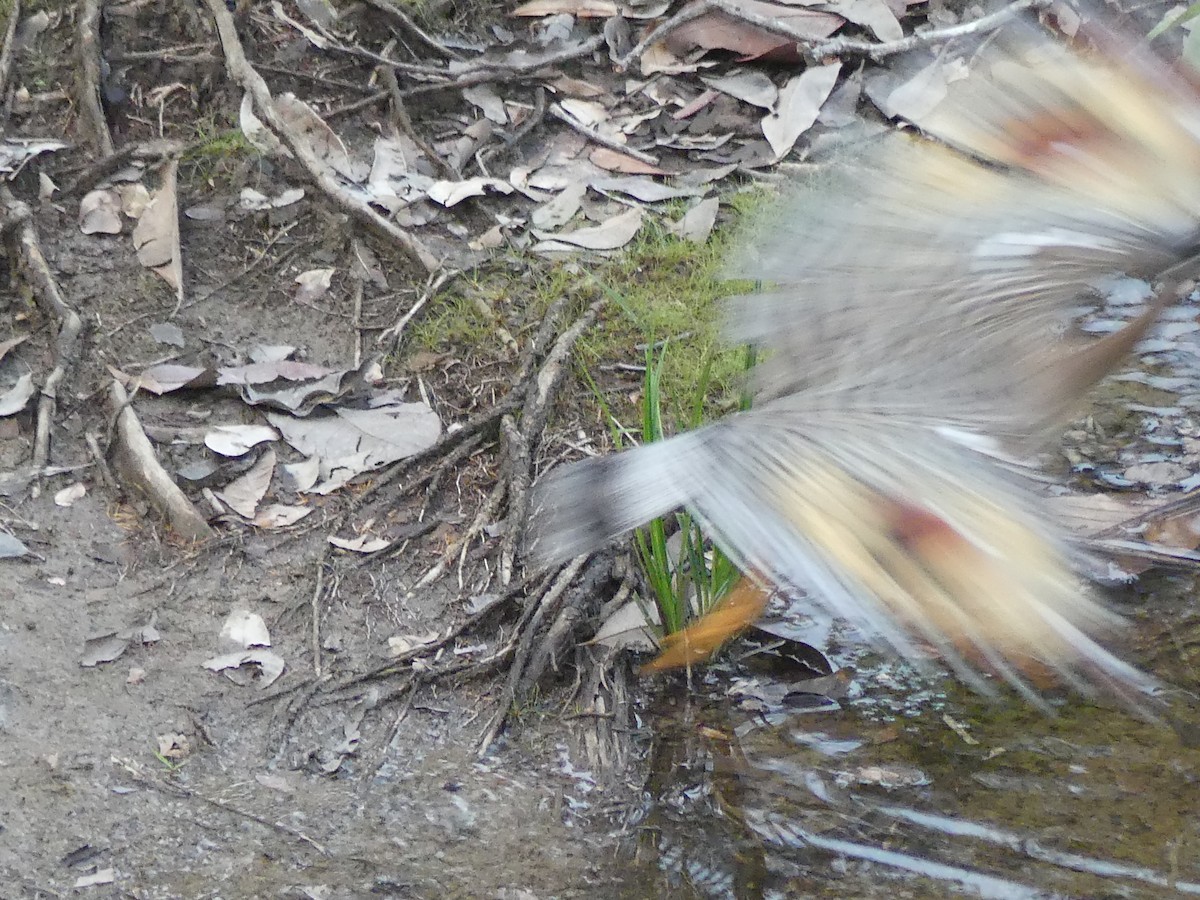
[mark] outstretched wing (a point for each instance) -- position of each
(913, 328)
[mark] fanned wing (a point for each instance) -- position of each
(913, 328)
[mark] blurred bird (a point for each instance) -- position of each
(915, 354)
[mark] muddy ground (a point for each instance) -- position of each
(150, 776)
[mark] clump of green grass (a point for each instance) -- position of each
(688, 582)
(686, 574)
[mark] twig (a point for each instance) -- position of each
(404, 123)
(106, 474)
(244, 74)
(315, 605)
(846, 46)
(18, 227)
(526, 630)
(521, 444)
(536, 117)
(6, 54)
(347, 108)
(404, 19)
(681, 18)
(496, 72)
(559, 634)
(516, 451)
(178, 790)
(357, 321)
(479, 423)
(391, 336)
(88, 37)
(459, 548)
(596, 137)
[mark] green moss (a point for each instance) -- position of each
(660, 289)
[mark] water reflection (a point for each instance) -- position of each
(1007, 804)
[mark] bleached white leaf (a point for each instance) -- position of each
(748, 85)
(244, 493)
(100, 212)
(313, 284)
(627, 629)
(352, 441)
(364, 544)
(488, 101)
(612, 234)
(68, 495)
(245, 629)
(799, 104)
(261, 137)
(697, 223)
(270, 663)
(279, 515)
(236, 440)
(16, 397)
(451, 193)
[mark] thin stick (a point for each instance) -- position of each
(596, 137)
(6, 54)
(242, 72)
(848, 46)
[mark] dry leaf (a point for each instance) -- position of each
(278, 515)
(697, 223)
(488, 101)
(245, 629)
(583, 9)
(163, 379)
(799, 103)
(616, 161)
(68, 495)
(134, 199)
(237, 440)
(627, 629)
(167, 333)
(16, 152)
(313, 284)
(610, 235)
(450, 193)
(718, 31)
(269, 663)
(15, 399)
(6, 346)
(243, 494)
(873, 14)
(748, 85)
(559, 211)
(156, 237)
(261, 137)
(920, 95)
(324, 143)
(100, 212)
(364, 544)
(353, 441)
(645, 189)
(11, 548)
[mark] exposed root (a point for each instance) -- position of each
(90, 77)
(23, 246)
(138, 467)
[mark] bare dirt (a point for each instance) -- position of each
(150, 773)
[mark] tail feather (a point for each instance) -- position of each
(578, 508)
